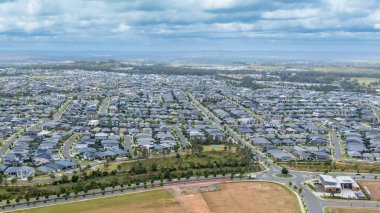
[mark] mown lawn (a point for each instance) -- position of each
(339, 166)
(209, 148)
(351, 210)
(159, 201)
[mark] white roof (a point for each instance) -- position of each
(345, 179)
(328, 178)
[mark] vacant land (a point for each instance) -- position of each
(236, 197)
(201, 198)
(146, 202)
(373, 187)
(252, 197)
(190, 197)
(351, 210)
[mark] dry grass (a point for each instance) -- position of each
(252, 197)
(373, 187)
(202, 198)
(159, 201)
(236, 197)
(352, 210)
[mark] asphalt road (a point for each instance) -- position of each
(336, 144)
(376, 112)
(104, 107)
(67, 146)
(6, 144)
(62, 110)
(314, 203)
(182, 139)
(108, 192)
(128, 143)
(246, 110)
(13, 138)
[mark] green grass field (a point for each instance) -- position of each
(209, 148)
(137, 202)
(366, 80)
(45, 76)
(344, 69)
(339, 166)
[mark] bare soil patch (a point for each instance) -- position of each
(235, 197)
(373, 187)
(190, 197)
(252, 197)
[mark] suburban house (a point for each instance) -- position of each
(331, 184)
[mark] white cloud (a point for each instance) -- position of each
(234, 26)
(33, 7)
(122, 28)
(291, 14)
(191, 19)
(219, 4)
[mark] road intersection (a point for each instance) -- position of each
(314, 204)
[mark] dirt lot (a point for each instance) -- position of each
(251, 197)
(206, 197)
(190, 197)
(236, 197)
(373, 187)
(353, 210)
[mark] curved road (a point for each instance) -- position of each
(313, 203)
(67, 146)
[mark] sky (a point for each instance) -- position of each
(190, 25)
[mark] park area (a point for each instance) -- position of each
(197, 198)
(351, 210)
(330, 166)
(229, 162)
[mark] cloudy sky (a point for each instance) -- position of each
(154, 25)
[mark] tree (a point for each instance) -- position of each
(64, 178)
(14, 180)
(52, 176)
(74, 178)
(153, 167)
(284, 171)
